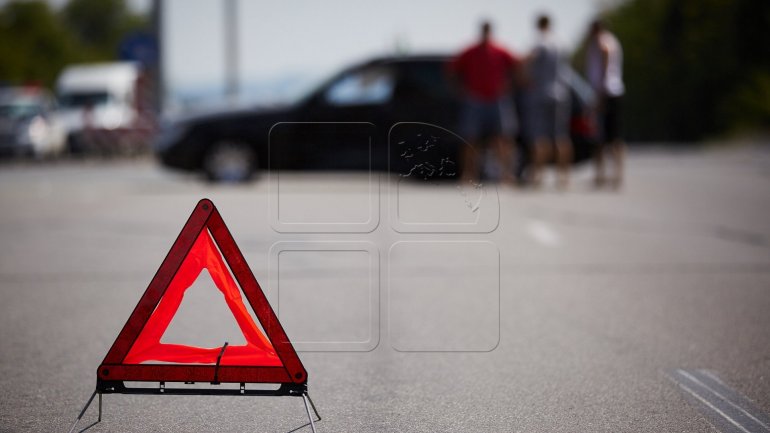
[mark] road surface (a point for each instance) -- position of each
(416, 308)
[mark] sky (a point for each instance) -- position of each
(281, 41)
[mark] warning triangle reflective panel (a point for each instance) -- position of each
(202, 256)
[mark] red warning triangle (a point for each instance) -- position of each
(202, 255)
(204, 243)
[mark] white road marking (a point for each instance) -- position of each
(730, 402)
(711, 406)
(543, 233)
(719, 398)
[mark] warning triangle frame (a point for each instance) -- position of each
(113, 371)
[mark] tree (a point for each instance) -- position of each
(34, 45)
(99, 25)
(36, 42)
(694, 68)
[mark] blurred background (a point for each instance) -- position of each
(417, 302)
(694, 71)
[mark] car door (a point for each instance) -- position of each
(363, 94)
(423, 94)
(423, 140)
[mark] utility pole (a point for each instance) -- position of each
(231, 51)
(156, 70)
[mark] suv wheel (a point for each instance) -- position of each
(230, 161)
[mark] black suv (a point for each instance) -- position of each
(396, 113)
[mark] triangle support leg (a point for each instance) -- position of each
(305, 399)
(85, 408)
(313, 406)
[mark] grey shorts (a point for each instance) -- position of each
(549, 119)
(481, 119)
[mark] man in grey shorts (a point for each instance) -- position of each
(549, 105)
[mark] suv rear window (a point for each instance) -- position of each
(372, 85)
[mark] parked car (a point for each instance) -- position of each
(103, 107)
(29, 122)
(396, 113)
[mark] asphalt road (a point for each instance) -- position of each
(420, 308)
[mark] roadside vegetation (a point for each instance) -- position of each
(37, 41)
(694, 69)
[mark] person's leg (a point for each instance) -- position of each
(563, 160)
(470, 162)
(599, 176)
(523, 162)
(469, 152)
(614, 138)
(505, 159)
(542, 153)
(541, 147)
(524, 142)
(618, 155)
(502, 123)
(562, 141)
(602, 128)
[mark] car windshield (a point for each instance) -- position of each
(83, 99)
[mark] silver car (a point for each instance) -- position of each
(29, 123)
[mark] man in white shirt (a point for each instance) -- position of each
(604, 70)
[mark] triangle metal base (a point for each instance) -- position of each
(286, 389)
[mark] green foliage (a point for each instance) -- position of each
(37, 42)
(34, 45)
(694, 68)
(747, 107)
(99, 25)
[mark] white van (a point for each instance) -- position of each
(98, 96)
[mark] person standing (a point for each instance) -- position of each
(604, 70)
(549, 105)
(484, 72)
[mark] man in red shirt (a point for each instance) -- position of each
(485, 71)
